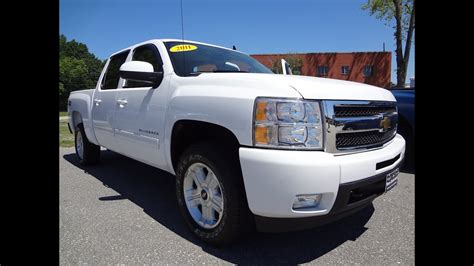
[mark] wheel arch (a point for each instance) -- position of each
(76, 120)
(186, 132)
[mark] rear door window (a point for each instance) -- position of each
(112, 77)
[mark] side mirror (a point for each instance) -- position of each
(141, 71)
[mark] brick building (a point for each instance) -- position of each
(367, 67)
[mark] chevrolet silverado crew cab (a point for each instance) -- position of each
(250, 149)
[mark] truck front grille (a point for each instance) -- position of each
(361, 139)
(358, 125)
(358, 111)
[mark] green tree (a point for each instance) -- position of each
(61, 89)
(295, 62)
(403, 13)
(73, 75)
(78, 69)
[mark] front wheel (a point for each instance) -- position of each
(210, 194)
(87, 153)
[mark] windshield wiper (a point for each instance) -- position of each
(229, 71)
(197, 73)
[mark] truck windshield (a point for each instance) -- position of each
(190, 59)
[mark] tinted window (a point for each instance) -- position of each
(112, 77)
(345, 70)
(368, 71)
(147, 53)
(192, 58)
(322, 70)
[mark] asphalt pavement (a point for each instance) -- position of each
(124, 212)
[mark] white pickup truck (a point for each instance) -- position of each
(249, 148)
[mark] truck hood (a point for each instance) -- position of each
(334, 89)
(307, 87)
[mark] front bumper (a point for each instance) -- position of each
(351, 198)
(273, 178)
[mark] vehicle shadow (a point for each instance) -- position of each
(153, 190)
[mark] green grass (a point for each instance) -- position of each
(63, 114)
(66, 139)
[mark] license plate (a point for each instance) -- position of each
(391, 179)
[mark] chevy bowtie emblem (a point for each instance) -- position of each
(385, 124)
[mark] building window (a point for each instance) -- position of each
(345, 70)
(368, 71)
(322, 70)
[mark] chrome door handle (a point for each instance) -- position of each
(97, 102)
(122, 102)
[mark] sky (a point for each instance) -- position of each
(254, 27)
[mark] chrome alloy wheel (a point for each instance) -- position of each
(203, 195)
(79, 145)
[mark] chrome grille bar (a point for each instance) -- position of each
(353, 126)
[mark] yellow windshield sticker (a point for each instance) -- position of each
(182, 48)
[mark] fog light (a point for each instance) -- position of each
(306, 201)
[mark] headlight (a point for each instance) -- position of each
(288, 124)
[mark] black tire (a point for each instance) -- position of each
(235, 215)
(90, 153)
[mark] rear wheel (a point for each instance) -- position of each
(87, 153)
(210, 194)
